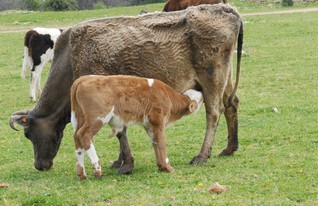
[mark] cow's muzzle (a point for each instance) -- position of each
(43, 165)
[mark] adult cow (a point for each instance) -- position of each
(176, 5)
(38, 50)
(189, 49)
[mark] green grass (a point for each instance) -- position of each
(276, 164)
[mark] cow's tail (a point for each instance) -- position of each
(238, 63)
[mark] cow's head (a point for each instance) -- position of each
(43, 134)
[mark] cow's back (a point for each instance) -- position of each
(171, 47)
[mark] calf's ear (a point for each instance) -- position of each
(193, 106)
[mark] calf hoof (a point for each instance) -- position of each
(81, 177)
(168, 169)
(198, 159)
(126, 169)
(116, 165)
(98, 176)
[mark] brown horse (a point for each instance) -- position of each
(175, 5)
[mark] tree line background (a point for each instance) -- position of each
(60, 5)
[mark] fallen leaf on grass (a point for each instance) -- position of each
(217, 188)
(4, 185)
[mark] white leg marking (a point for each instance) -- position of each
(150, 82)
(91, 152)
(107, 118)
(34, 79)
(27, 62)
(73, 121)
(79, 153)
(167, 160)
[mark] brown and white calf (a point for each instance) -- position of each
(121, 101)
(38, 50)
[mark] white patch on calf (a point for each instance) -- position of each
(196, 96)
(150, 82)
(73, 121)
(91, 152)
(107, 118)
(79, 153)
(167, 160)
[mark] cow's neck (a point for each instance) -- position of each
(180, 107)
(54, 103)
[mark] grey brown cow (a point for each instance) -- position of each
(120, 101)
(188, 49)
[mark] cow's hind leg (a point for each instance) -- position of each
(125, 161)
(231, 116)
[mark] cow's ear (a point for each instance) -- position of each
(193, 106)
(48, 40)
(23, 120)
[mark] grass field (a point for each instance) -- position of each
(276, 164)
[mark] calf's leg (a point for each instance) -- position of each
(83, 142)
(158, 138)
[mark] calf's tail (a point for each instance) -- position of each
(75, 108)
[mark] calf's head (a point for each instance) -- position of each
(43, 134)
(196, 99)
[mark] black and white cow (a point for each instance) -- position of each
(38, 50)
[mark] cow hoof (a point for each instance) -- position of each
(126, 169)
(198, 159)
(116, 165)
(228, 151)
(32, 99)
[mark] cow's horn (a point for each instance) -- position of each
(15, 116)
(12, 120)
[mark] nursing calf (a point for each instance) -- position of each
(121, 101)
(38, 50)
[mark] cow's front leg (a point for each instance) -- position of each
(35, 76)
(33, 80)
(213, 96)
(158, 139)
(38, 90)
(125, 161)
